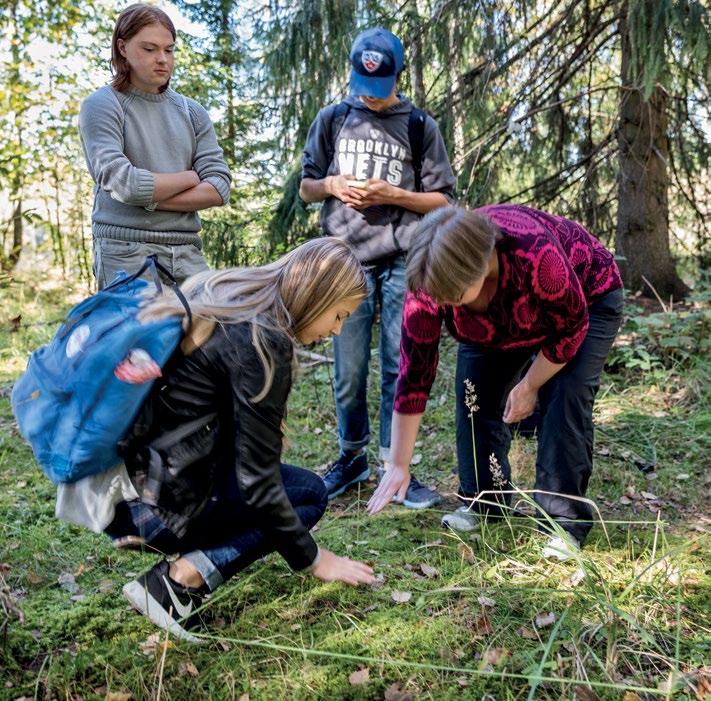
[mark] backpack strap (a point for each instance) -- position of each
(336, 120)
(416, 135)
(151, 263)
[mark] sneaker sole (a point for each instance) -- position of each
(420, 504)
(144, 603)
(362, 477)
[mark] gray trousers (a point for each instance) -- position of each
(112, 256)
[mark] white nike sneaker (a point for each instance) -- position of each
(166, 603)
(461, 519)
(561, 549)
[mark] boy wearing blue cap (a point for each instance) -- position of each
(378, 164)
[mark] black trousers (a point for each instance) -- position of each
(565, 439)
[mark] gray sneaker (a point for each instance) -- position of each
(462, 519)
(561, 549)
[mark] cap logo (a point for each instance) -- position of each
(371, 60)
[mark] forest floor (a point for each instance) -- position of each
(481, 616)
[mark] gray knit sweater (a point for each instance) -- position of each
(131, 135)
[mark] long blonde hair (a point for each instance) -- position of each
(450, 250)
(285, 296)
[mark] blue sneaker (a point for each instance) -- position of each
(348, 470)
(418, 496)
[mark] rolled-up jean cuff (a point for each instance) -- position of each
(384, 454)
(354, 445)
(202, 563)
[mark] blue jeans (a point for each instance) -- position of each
(222, 539)
(565, 439)
(386, 289)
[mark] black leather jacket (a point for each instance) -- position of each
(199, 422)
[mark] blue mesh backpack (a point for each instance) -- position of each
(81, 393)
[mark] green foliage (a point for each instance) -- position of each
(629, 613)
(290, 223)
(670, 339)
(656, 26)
(527, 98)
(40, 152)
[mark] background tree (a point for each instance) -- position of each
(537, 104)
(37, 121)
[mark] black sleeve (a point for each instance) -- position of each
(258, 443)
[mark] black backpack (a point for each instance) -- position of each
(415, 133)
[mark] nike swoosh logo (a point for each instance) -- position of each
(182, 610)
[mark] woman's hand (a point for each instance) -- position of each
(332, 568)
(395, 481)
(521, 402)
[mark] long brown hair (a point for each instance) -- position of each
(129, 23)
(449, 251)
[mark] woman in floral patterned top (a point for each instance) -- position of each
(508, 282)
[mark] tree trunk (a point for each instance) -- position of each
(227, 60)
(416, 68)
(17, 165)
(643, 209)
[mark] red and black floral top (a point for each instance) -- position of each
(550, 270)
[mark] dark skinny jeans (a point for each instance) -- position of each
(565, 439)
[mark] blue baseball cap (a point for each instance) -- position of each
(377, 57)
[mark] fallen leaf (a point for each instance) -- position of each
(682, 476)
(585, 693)
(545, 619)
(651, 476)
(394, 693)
(361, 676)
(118, 696)
(33, 578)
(429, 571)
(527, 633)
(416, 459)
(703, 683)
(649, 496)
(577, 577)
(625, 500)
(154, 645)
(379, 581)
(244, 697)
(481, 626)
(401, 597)
(495, 655)
(188, 669)
(462, 681)
(486, 601)
(467, 553)
(67, 582)
(631, 696)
